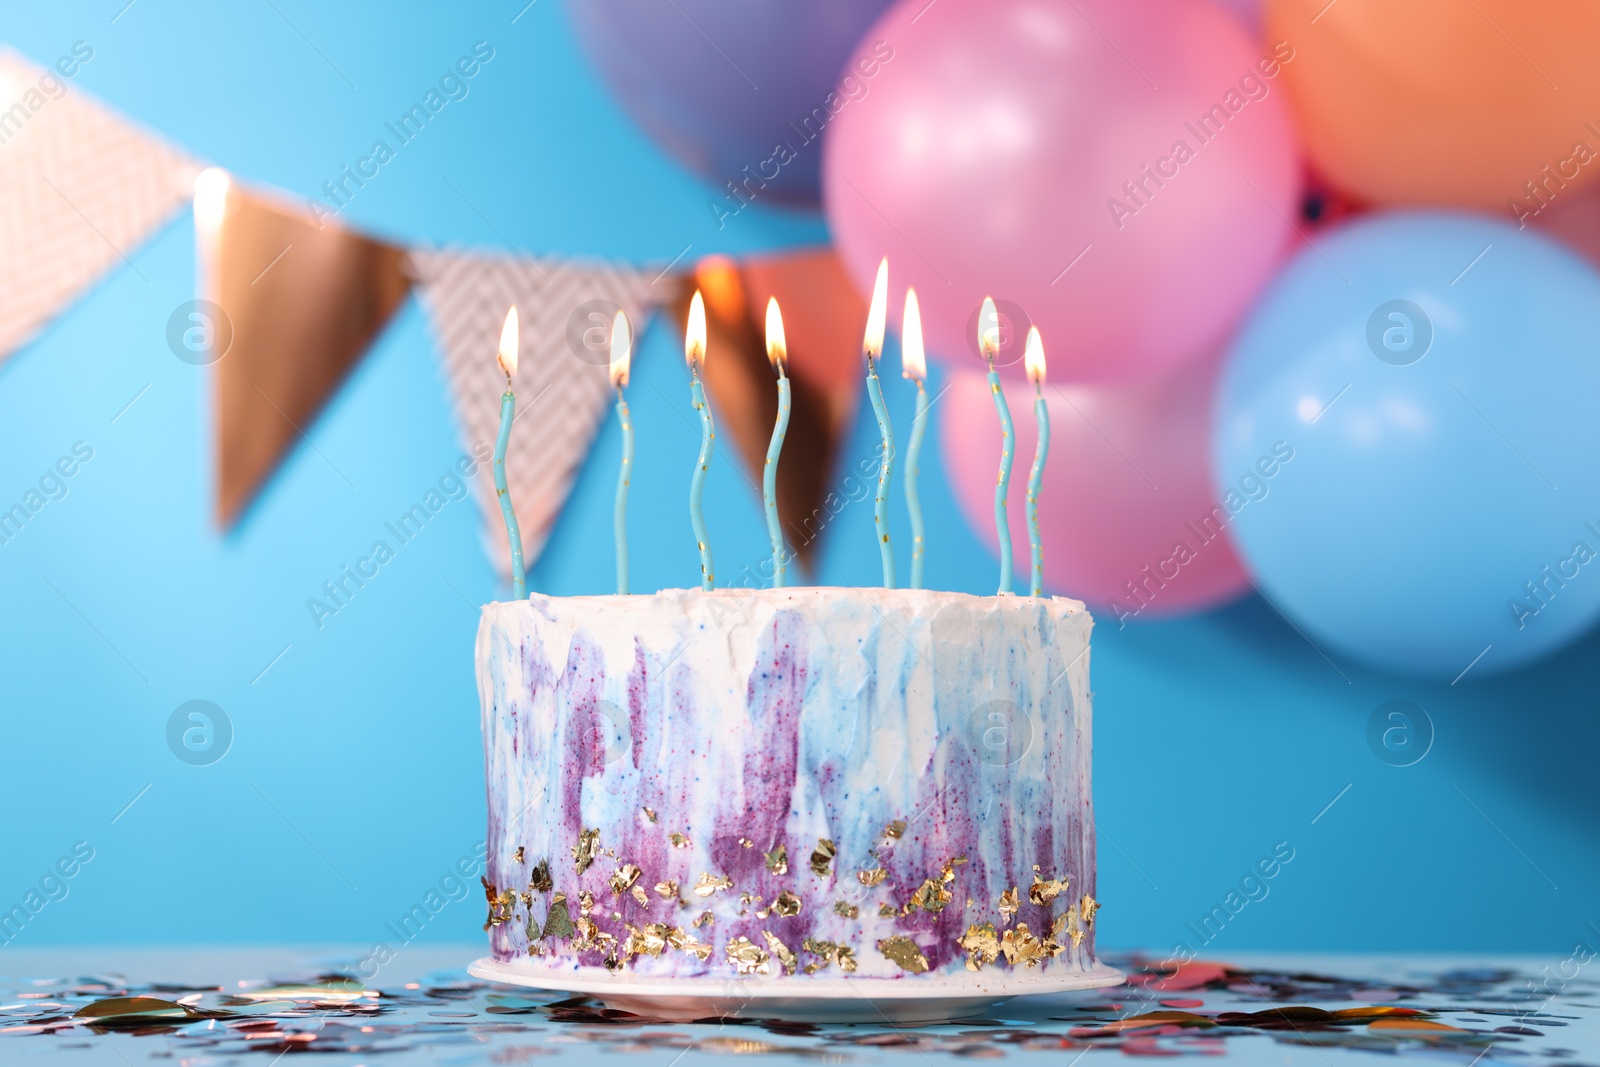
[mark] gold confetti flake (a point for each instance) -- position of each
(650, 940)
(1088, 906)
(1021, 947)
(780, 950)
(930, 896)
(745, 842)
(516, 857)
(623, 877)
(587, 850)
(710, 883)
(887, 911)
(668, 889)
(747, 957)
(639, 895)
(700, 950)
(828, 952)
(822, 857)
(586, 903)
(872, 876)
(981, 944)
(1044, 891)
(705, 919)
(1009, 904)
(846, 909)
(650, 814)
(786, 905)
(904, 951)
(778, 859)
(540, 880)
(678, 840)
(895, 829)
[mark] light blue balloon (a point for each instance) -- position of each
(1435, 377)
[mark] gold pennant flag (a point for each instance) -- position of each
(823, 317)
(300, 304)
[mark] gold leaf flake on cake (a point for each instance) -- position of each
(705, 919)
(639, 895)
(887, 911)
(1067, 923)
(780, 950)
(710, 883)
(623, 877)
(540, 878)
(668, 888)
(1043, 891)
(904, 951)
(587, 850)
(746, 956)
(822, 857)
(585, 902)
(745, 842)
(1009, 904)
(558, 924)
(650, 814)
(786, 905)
(778, 859)
(872, 876)
(828, 952)
(1021, 947)
(846, 909)
(516, 857)
(1088, 906)
(678, 840)
(981, 943)
(895, 829)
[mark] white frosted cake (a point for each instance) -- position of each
(790, 785)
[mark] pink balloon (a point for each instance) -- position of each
(1126, 482)
(1022, 149)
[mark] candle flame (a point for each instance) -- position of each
(913, 361)
(989, 329)
(877, 312)
(694, 336)
(621, 350)
(777, 346)
(1033, 356)
(210, 199)
(508, 344)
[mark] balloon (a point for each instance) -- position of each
(1574, 220)
(1126, 482)
(1425, 384)
(1021, 148)
(738, 91)
(1445, 102)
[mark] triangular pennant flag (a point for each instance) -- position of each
(83, 188)
(562, 385)
(302, 303)
(823, 319)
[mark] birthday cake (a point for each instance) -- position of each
(789, 785)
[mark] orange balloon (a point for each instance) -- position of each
(1490, 104)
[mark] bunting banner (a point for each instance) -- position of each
(286, 306)
(563, 389)
(83, 188)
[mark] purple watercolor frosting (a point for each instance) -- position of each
(792, 782)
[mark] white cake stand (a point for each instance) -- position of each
(809, 999)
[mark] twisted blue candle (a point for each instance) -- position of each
(508, 414)
(1041, 418)
(880, 504)
(620, 521)
(697, 485)
(769, 481)
(1003, 482)
(919, 427)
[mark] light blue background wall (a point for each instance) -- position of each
(355, 778)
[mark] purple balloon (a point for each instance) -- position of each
(737, 90)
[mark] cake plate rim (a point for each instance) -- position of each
(811, 999)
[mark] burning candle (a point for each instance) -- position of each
(694, 350)
(914, 365)
(778, 353)
(872, 345)
(508, 414)
(621, 361)
(989, 344)
(1033, 360)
